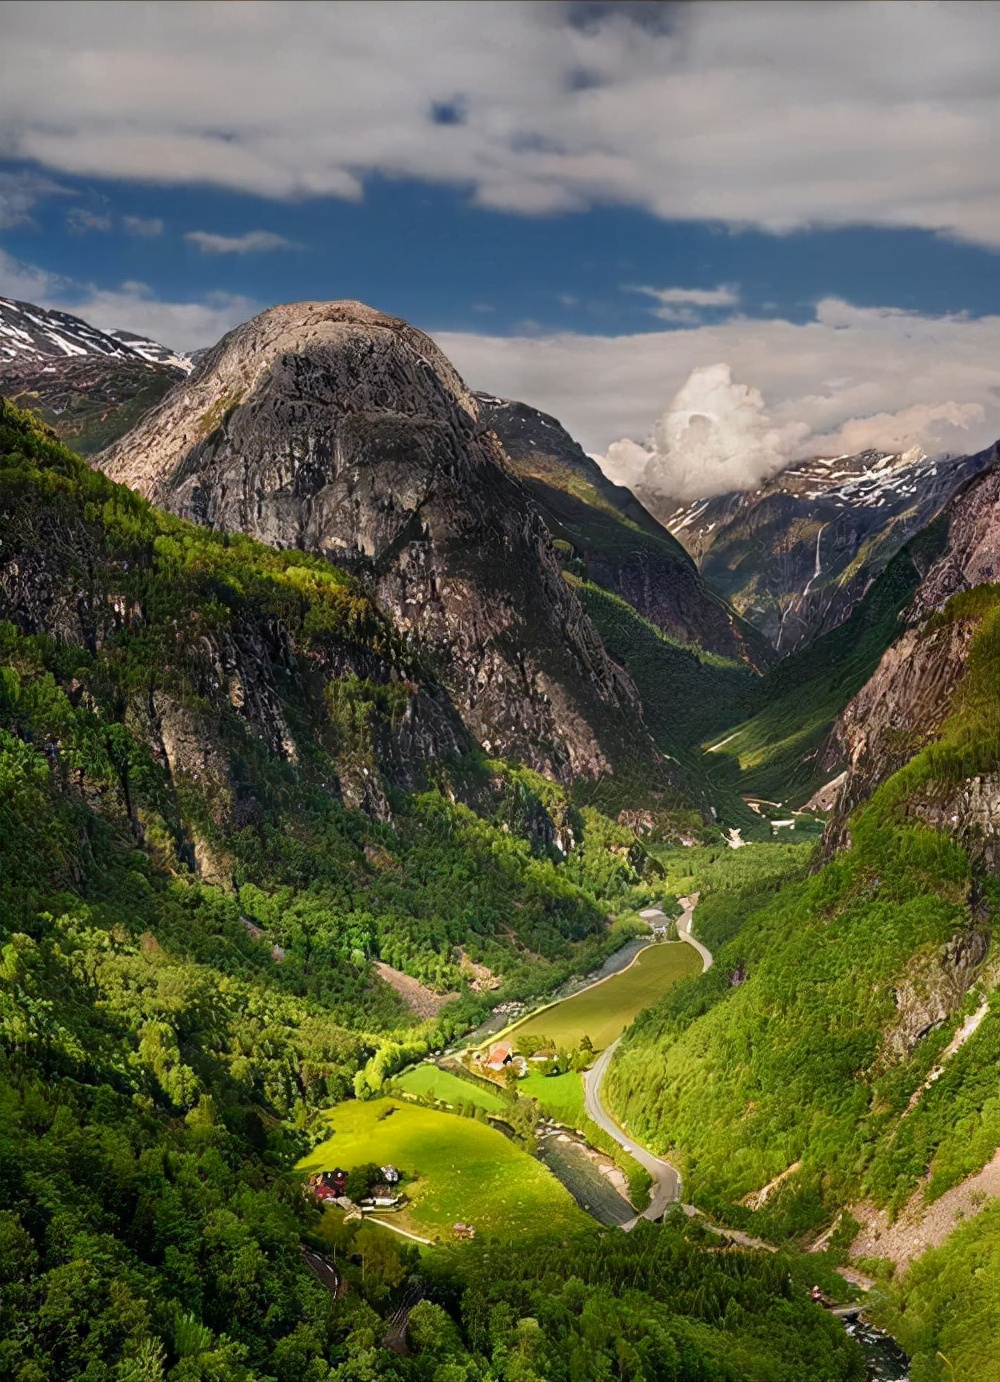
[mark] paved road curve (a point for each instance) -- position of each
(666, 1178)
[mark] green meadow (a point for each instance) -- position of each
(603, 1011)
(450, 1089)
(455, 1170)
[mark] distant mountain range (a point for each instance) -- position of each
(88, 385)
(797, 555)
(40, 335)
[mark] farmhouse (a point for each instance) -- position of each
(390, 1175)
(465, 1231)
(329, 1185)
(499, 1057)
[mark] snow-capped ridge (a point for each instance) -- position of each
(32, 335)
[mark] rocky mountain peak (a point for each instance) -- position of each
(345, 432)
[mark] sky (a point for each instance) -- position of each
(769, 229)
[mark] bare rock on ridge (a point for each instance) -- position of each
(339, 430)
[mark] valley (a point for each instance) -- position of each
(344, 713)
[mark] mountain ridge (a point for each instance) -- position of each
(334, 428)
(795, 556)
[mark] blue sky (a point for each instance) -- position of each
(567, 194)
(425, 252)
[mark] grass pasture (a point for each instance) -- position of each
(603, 1011)
(456, 1170)
(451, 1089)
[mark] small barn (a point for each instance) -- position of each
(499, 1057)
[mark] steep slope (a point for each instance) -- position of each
(783, 751)
(338, 430)
(910, 695)
(813, 1045)
(796, 556)
(245, 717)
(89, 401)
(612, 540)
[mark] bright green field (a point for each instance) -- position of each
(456, 1170)
(561, 1096)
(605, 1010)
(452, 1089)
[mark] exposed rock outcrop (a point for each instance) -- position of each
(336, 429)
(902, 707)
(934, 986)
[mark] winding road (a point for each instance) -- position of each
(666, 1178)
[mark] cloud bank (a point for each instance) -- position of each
(740, 400)
(764, 114)
(716, 436)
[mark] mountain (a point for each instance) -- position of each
(795, 556)
(913, 690)
(236, 715)
(88, 385)
(335, 429)
(834, 1072)
(609, 539)
(42, 335)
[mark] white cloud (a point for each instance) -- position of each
(131, 307)
(765, 114)
(80, 220)
(724, 296)
(19, 194)
(687, 306)
(148, 226)
(252, 242)
(716, 436)
(850, 378)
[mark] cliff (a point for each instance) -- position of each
(902, 707)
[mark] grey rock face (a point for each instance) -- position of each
(934, 987)
(335, 429)
(902, 707)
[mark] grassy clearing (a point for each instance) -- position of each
(456, 1170)
(451, 1089)
(603, 1011)
(559, 1096)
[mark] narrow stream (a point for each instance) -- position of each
(886, 1360)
